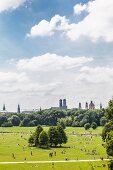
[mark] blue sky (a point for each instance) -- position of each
(37, 35)
(14, 25)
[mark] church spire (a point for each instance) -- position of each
(4, 107)
(18, 109)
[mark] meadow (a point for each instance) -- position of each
(82, 145)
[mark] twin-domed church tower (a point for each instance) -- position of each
(62, 104)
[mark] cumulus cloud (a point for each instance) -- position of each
(51, 62)
(96, 25)
(79, 8)
(46, 28)
(96, 75)
(44, 79)
(10, 4)
(12, 77)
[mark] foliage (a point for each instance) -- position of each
(31, 140)
(15, 120)
(87, 126)
(39, 129)
(103, 121)
(25, 122)
(53, 136)
(3, 119)
(94, 125)
(107, 133)
(57, 116)
(62, 123)
(109, 143)
(62, 138)
(7, 124)
(43, 139)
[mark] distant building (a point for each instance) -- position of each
(18, 109)
(30, 111)
(91, 105)
(62, 104)
(4, 109)
(80, 106)
(86, 105)
(100, 105)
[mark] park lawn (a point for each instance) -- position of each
(80, 144)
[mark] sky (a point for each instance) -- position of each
(55, 49)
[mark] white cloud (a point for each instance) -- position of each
(51, 62)
(42, 80)
(10, 4)
(46, 28)
(96, 75)
(97, 24)
(79, 8)
(11, 77)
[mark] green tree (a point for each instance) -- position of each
(15, 120)
(107, 133)
(87, 126)
(43, 139)
(3, 119)
(7, 124)
(62, 138)
(103, 121)
(94, 125)
(39, 129)
(31, 140)
(62, 123)
(25, 122)
(109, 143)
(53, 136)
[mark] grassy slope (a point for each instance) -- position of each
(75, 149)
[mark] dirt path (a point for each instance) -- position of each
(60, 161)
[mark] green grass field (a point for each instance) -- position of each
(80, 145)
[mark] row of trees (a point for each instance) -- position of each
(52, 117)
(55, 136)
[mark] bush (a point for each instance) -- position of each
(94, 125)
(31, 123)
(87, 126)
(31, 140)
(7, 124)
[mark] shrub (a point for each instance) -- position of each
(94, 125)
(87, 126)
(7, 124)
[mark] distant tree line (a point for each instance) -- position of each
(53, 117)
(53, 137)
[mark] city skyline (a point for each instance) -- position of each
(61, 103)
(55, 49)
